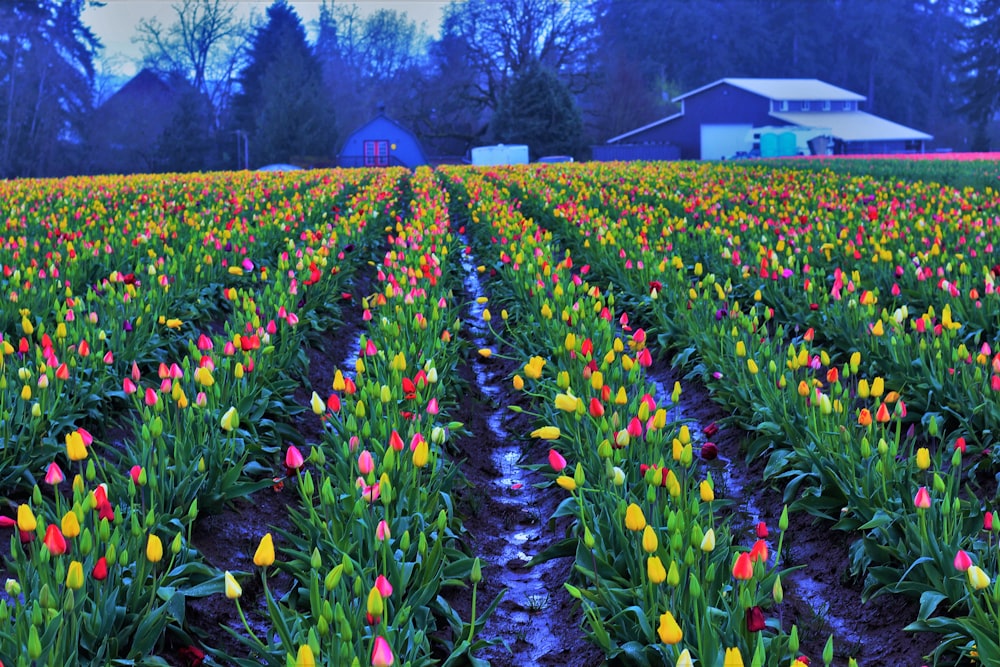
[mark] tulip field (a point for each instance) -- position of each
(174, 347)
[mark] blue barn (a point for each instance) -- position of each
(382, 142)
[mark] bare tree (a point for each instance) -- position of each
(504, 36)
(204, 44)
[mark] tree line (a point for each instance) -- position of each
(558, 75)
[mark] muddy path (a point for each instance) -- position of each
(820, 597)
(507, 518)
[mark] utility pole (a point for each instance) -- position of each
(243, 163)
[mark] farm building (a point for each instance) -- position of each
(382, 142)
(733, 117)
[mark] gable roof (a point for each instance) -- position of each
(626, 135)
(784, 89)
(854, 125)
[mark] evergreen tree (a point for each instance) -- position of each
(981, 66)
(46, 73)
(538, 110)
(282, 104)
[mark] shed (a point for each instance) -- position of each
(719, 120)
(382, 142)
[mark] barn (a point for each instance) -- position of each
(382, 142)
(739, 116)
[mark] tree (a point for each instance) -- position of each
(204, 44)
(282, 104)
(46, 73)
(981, 65)
(538, 110)
(369, 61)
(503, 37)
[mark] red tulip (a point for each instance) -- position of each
(395, 441)
(596, 408)
(755, 619)
(101, 569)
(759, 551)
(54, 540)
(743, 568)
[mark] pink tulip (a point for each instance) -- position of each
(556, 460)
(382, 653)
(365, 462)
(382, 532)
(54, 474)
(151, 397)
(383, 586)
(293, 459)
(923, 499)
(962, 561)
(128, 386)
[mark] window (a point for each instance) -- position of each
(805, 106)
(848, 105)
(377, 153)
(826, 105)
(783, 105)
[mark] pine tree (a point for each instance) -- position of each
(538, 110)
(282, 104)
(981, 64)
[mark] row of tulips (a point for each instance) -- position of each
(843, 439)
(660, 576)
(100, 566)
(375, 536)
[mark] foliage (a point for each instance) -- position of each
(46, 74)
(282, 104)
(538, 110)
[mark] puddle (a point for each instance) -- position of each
(731, 475)
(527, 620)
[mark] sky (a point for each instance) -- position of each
(115, 22)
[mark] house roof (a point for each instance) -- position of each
(615, 140)
(785, 89)
(854, 125)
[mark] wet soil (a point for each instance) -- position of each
(507, 517)
(820, 598)
(227, 540)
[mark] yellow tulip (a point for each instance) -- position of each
(650, 542)
(670, 632)
(154, 549)
(546, 433)
(233, 588)
(655, 571)
(635, 520)
(264, 556)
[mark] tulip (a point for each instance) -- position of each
(743, 567)
(755, 619)
(293, 459)
(650, 543)
(382, 653)
(669, 631)
(978, 579)
(230, 420)
(382, 532)
(54, 540)
(733, 658)
(962, 561)
(375, 605)
(566, 482)
(635, 520)
(923, 458)
(100, 572)
(154, 549)
(421, 454)
(264, 556)
(383, 586)
(233, 588)
(706, 491)
(26, 521)
(305, 657)
(655, 571)
(74, 575)
(316, 403)
(923, 499)
(684, 659)
(556, 460)
(365, 462)
(54, 474)
(546, 433)
(70, 524)
(76, 450)
(708, 541)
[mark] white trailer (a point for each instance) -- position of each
(491, 156)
